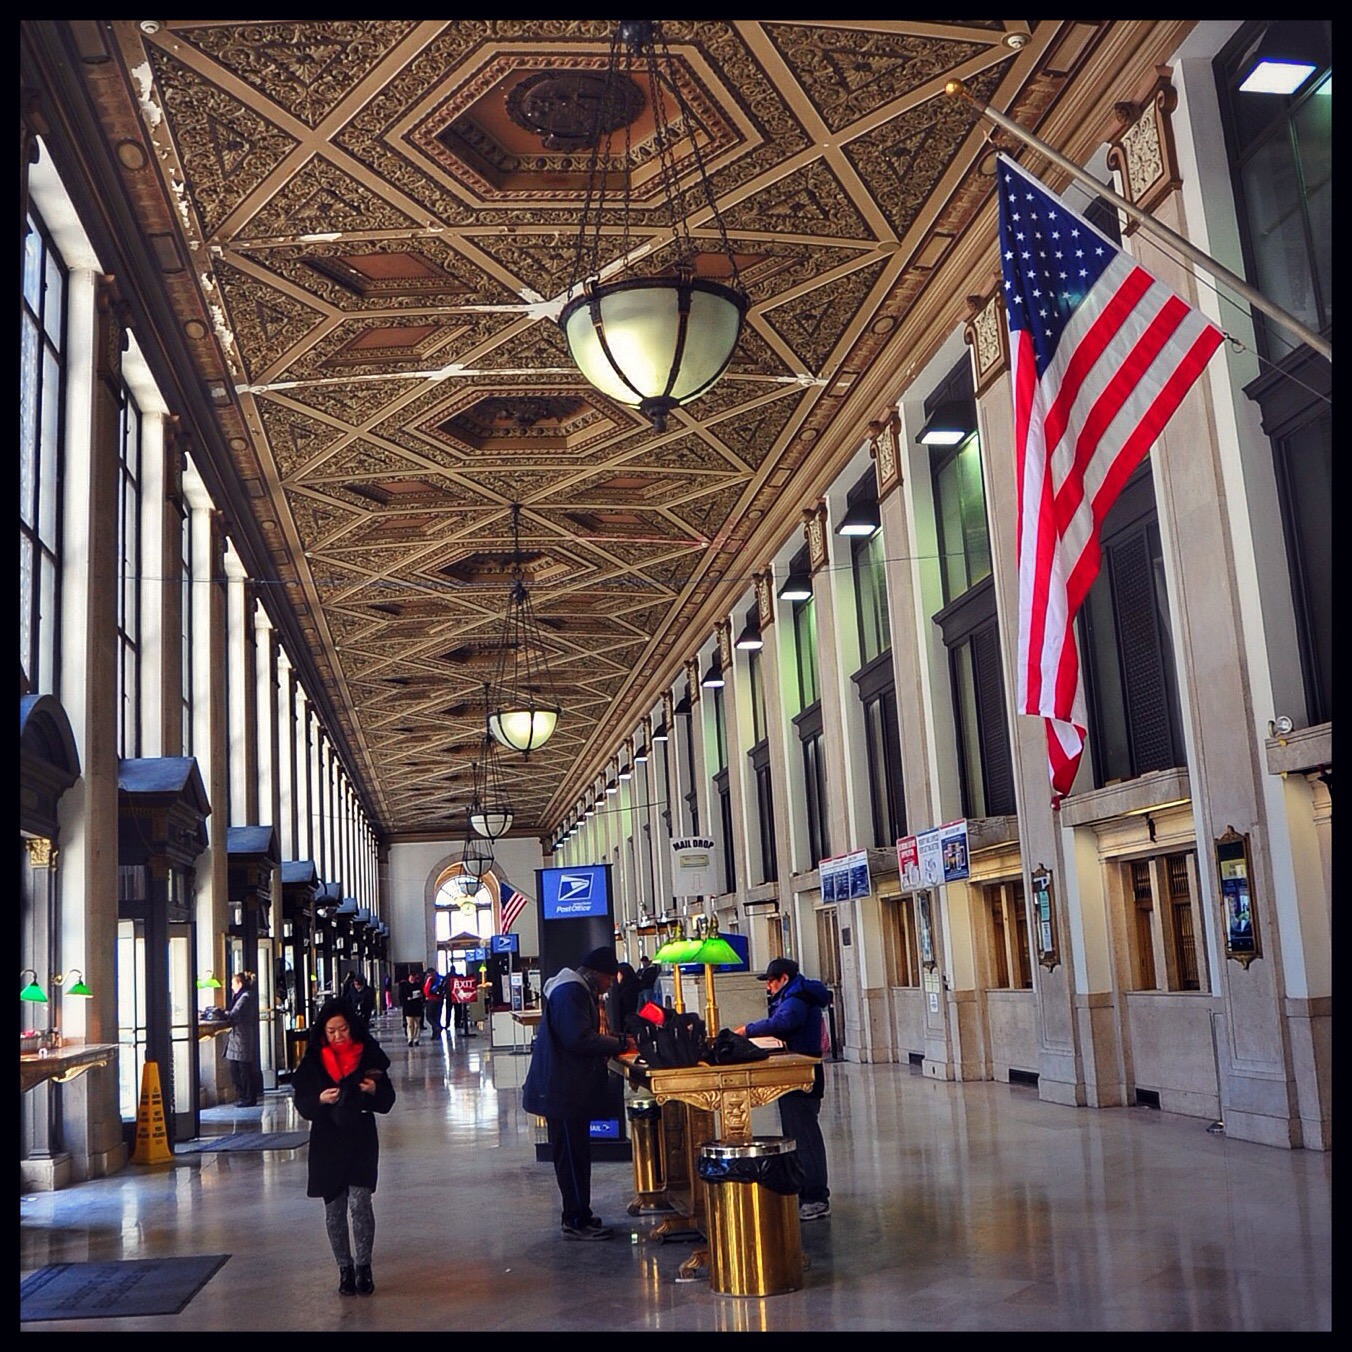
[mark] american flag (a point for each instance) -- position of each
(1101, 354)
(511, 904)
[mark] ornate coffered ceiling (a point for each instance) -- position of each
(344, 244)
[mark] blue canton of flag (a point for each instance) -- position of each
(1100, 357)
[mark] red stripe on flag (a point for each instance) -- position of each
(1141, 327)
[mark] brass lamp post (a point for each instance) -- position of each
(674, 952)
(713, 951)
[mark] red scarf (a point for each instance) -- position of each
(340, 1059)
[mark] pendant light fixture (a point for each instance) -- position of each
(490, 814)
(661, 339)
(522, 712)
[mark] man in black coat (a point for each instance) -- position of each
(567, 1081)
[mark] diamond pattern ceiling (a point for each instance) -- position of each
(363, 230)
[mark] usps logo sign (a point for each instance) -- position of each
(575, 888)
(574, 893)
(694, 866)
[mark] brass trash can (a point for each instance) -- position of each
(645, 1139)
(752, 1190)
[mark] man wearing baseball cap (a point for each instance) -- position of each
(567, 1080)
(797, 1005)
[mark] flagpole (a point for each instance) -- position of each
(1203, 261)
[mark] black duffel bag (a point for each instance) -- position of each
(733, 1049)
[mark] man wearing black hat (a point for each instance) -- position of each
(567, 1080)
(796, 1006)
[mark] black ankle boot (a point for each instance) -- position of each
(365, 1282)
(347, 1283)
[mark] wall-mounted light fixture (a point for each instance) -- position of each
(1281, 728)
(769, 907)
(749, 640)
(797, 587)
(860, 519)
(1284, 59)
(32, 992)
(660, 733)
(713, 677)
(76, 987)
(951, 423)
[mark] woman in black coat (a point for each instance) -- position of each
(341, 1082)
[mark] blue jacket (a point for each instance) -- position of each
(795, 1016)
(568, 1077)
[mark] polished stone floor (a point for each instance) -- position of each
(954, 1207)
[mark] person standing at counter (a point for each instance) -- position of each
(241, 1044)
(567, 1081)
(796, 1010)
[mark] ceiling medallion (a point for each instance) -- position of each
(569, 110)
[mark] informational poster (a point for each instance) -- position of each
(931, 856)
(693, 866)
(908, 864)
(941, 854)
(845, 877)
(953, 847)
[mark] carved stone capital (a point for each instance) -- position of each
(723, 638)
(765, 598)
(885, 448)
(41, 852)
(987, 334)
(814, 532)
(1142, 151)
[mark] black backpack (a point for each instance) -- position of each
(679, 1041)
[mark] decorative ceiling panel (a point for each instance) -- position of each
(380, 217)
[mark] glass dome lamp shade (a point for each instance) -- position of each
(523, 729)
(476, 861)
(651, 342)
(654, 343)
(491, 821)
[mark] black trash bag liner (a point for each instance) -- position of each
(779, 1173)
(643, 1112)
(732, 1049)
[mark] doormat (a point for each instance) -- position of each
(113, 1290)
(246, 1140)
(228, 1112)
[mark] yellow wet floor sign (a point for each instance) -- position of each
(152, 1140)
